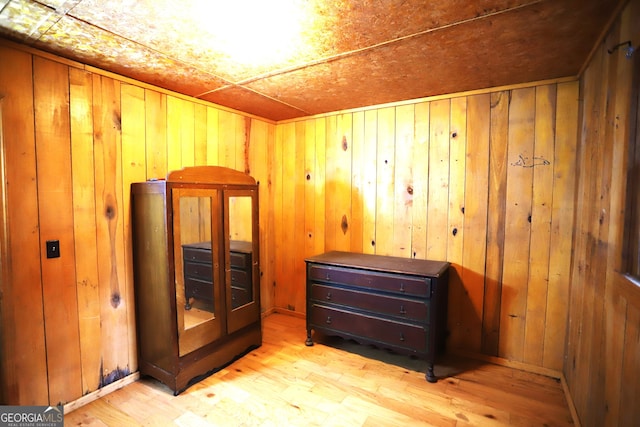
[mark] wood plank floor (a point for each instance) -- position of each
(335, 383)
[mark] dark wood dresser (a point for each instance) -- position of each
(198, 282)
(394, 303)
(198, 273)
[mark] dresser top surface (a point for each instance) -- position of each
(235, 246)
(381, 263)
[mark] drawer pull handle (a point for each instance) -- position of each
(328, 296)
(328, 277)
(402, 310)
(401, 336)
(328, 320)
(401, 287)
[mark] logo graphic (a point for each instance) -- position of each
(31, 416)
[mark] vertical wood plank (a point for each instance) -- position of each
(369, 189)
(385, 181)
(331, 210)
(517, 224)
(583, 293)
(227, 139)
(242, 129)
(310, 178)
(133, 170)
(187, 133)
(174, 125)
(110, 229)
(299, 241)
(438, 201)
(286, 287)
(280, 299)
(320, 184)
(357, 182)
(469, 312)
(213, 131)
(24, 379)
(55, 212)
(600, 220)
(562, 224)
(615, 315)
(342, 178)
(84, 223)
(498, 143)
(542, 165)
(420, 181)
(200, 134)
(261, 145)
(156, 134)
(455, 218)
(403, 181)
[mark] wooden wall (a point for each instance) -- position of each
(485, 181)
(602, 363)
(505, 184)
(74, 140)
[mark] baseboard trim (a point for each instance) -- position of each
(101, 392)
(529, 368)
(572, 406)
(289, 312)
(547, 372)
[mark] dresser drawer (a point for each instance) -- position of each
(240, 297)
(410, 309)
(240, 260)
(196, 254)
(401, 284)
(198, 270)
(239, 277)
(372, 328)
(199, 289)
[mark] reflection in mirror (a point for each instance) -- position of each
(195, 239)
(240, 242)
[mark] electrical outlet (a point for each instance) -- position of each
(53, 248)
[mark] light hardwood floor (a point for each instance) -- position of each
(335, 383)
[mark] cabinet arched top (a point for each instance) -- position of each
(210, 175)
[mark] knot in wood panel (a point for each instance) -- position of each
(344, 224)
(115, 299)
(110, 212)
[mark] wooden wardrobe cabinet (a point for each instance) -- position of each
(196, 272)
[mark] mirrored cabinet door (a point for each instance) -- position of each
(197, 267)
(242, 280)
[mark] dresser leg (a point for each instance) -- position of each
(309, 341)
(430, 376)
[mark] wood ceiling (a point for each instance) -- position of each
(349, 53)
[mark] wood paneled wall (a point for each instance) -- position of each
(485, 181)
(602, 363)
(488, 181)
(74, 139)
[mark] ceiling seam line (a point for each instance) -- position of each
(257, 93)
(381, 44)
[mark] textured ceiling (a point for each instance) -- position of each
(328, 55)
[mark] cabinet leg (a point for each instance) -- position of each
(430, 376)
(309, 341)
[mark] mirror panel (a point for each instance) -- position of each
(197, 260)
(197, 273)
(241, 248)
